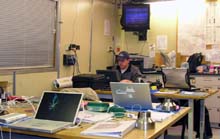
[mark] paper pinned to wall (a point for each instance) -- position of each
(192, 28)
(217, 33)
(210, 35)
(216, 47)
(162, 42)
(152, 50)
(107, 27)
(217, 15)
(213, 55)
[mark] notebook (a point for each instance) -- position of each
(56, 111)
(132, 96)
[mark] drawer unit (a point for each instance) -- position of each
(212, 102)
(214, 115)
(206, 81)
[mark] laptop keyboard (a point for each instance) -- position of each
(38, 123)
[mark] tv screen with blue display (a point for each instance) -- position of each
(135, 17)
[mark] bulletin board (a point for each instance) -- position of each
(199, 31)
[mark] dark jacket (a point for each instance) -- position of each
(132, 73)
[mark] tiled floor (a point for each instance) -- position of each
(175, 132)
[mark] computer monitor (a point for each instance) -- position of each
(176, 78)
(110, 75)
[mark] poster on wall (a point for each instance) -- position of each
(152, 50)
(213, 56)
(191, 28)
(162, 42)
(107, 27)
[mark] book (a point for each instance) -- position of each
(115, 129)
(158, 116)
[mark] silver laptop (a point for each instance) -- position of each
(176, 78)
(56, 111)
(132, 96)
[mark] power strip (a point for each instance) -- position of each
(11, 117)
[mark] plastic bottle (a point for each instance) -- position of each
(211, 69)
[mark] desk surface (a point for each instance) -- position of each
(136, 133)
(174, 96)
(184, 96)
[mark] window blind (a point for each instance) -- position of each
(27, 33)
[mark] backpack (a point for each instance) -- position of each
(194, 61)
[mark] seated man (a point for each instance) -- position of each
(128, 72)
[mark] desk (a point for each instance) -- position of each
(136, 133)
(191, 98)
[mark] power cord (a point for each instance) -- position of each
(76, 67)
(13, 102)
(2, 137)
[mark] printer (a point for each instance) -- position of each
(94, 81)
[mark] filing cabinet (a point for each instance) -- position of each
(213, 102)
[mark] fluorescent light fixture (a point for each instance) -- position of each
(150, 1)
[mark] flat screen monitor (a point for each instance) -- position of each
(176, 78)
(135, 17)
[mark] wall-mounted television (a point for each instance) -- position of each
(135, 17)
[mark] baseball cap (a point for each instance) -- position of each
(122, 56)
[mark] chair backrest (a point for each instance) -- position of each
(194, 61)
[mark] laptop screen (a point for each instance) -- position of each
(110, 75)
(59, 106)
(132, 96)
(176, 78)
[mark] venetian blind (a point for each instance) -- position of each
(27, 33)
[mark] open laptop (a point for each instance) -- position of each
(56, 111)
(132, 96)
(110, 76)
(176, 78)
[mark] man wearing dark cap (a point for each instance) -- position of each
(128, 72)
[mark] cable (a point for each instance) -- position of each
(27, 100)
(142, 48)
(2, 137)
(135, 105)
(10, 133)
(76, 67)
(126, 43)
(2, 109)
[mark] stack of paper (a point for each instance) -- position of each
(110, 129)
(194, 93)
(93, 117)
(160, 116)
(167, 92)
